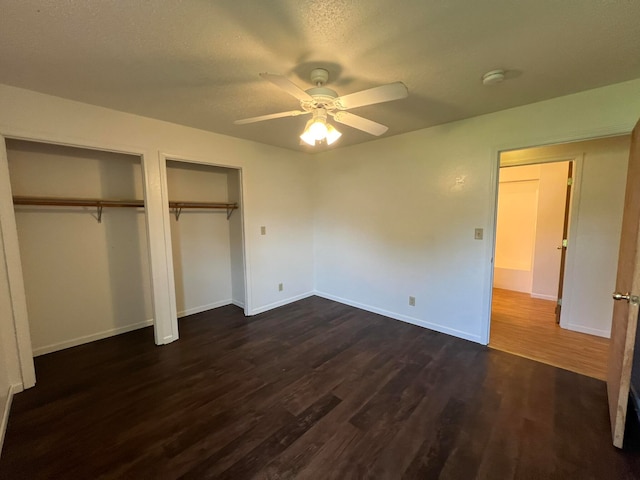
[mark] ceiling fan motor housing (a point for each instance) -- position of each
(322, 97)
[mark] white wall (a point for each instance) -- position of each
(516, 228)
(200, 238)
(396, 217)
(84, 280)
(594, 234)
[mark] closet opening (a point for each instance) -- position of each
(85, 262)
(557, 205)
(207, 243)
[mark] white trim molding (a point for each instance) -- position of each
(204, 308)
(74, 342)
(404, 318)
(281, 303)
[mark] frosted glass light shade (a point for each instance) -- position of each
(317, 129)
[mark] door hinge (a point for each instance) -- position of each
(564, 242)
(560, 302)
(569, 181)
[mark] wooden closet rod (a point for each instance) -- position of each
(100, 204)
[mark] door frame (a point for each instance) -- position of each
(164, 158)
(577, 159)
(496, 151)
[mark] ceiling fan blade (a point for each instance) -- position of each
(292, 113)
(287, 85)
(360, 123)
(383, 93)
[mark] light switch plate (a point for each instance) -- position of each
(478, 234)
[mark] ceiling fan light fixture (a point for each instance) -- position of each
(318, 129)
(332, 134)
(308, 137)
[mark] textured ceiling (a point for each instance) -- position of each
(196, 63)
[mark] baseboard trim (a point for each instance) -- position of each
(590, 331)
(541, 296)
(6, 409)
(54, 347)
(204, 308)
(237, 303)
(281, 303)
(403, 318)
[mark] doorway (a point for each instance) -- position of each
(530, 242)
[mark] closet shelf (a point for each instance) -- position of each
(99, 204)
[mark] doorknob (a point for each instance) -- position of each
(633, 299)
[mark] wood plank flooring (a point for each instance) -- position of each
(312, 390)
(527, 327)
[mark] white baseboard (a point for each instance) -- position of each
(238, 303)
(280, 303)
(404, 318)
(589, 330)
(204, 308)
(74, 342)
(541, 296)
(5, 406)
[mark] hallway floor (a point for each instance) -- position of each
(527, 327)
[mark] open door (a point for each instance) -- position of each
(625, 310)
(563, 246)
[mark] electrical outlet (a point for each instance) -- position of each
(280, 287)
(412, 301)
(478, 234)
(263, 230)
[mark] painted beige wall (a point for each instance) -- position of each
(200, 238)
(84, 280)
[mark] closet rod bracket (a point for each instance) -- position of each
(99, 208)
(230, 209)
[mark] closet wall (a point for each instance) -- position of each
(84, 280)
(203, 263)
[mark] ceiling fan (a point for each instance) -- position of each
(322, 102)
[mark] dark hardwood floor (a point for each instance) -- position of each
(312, 390)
